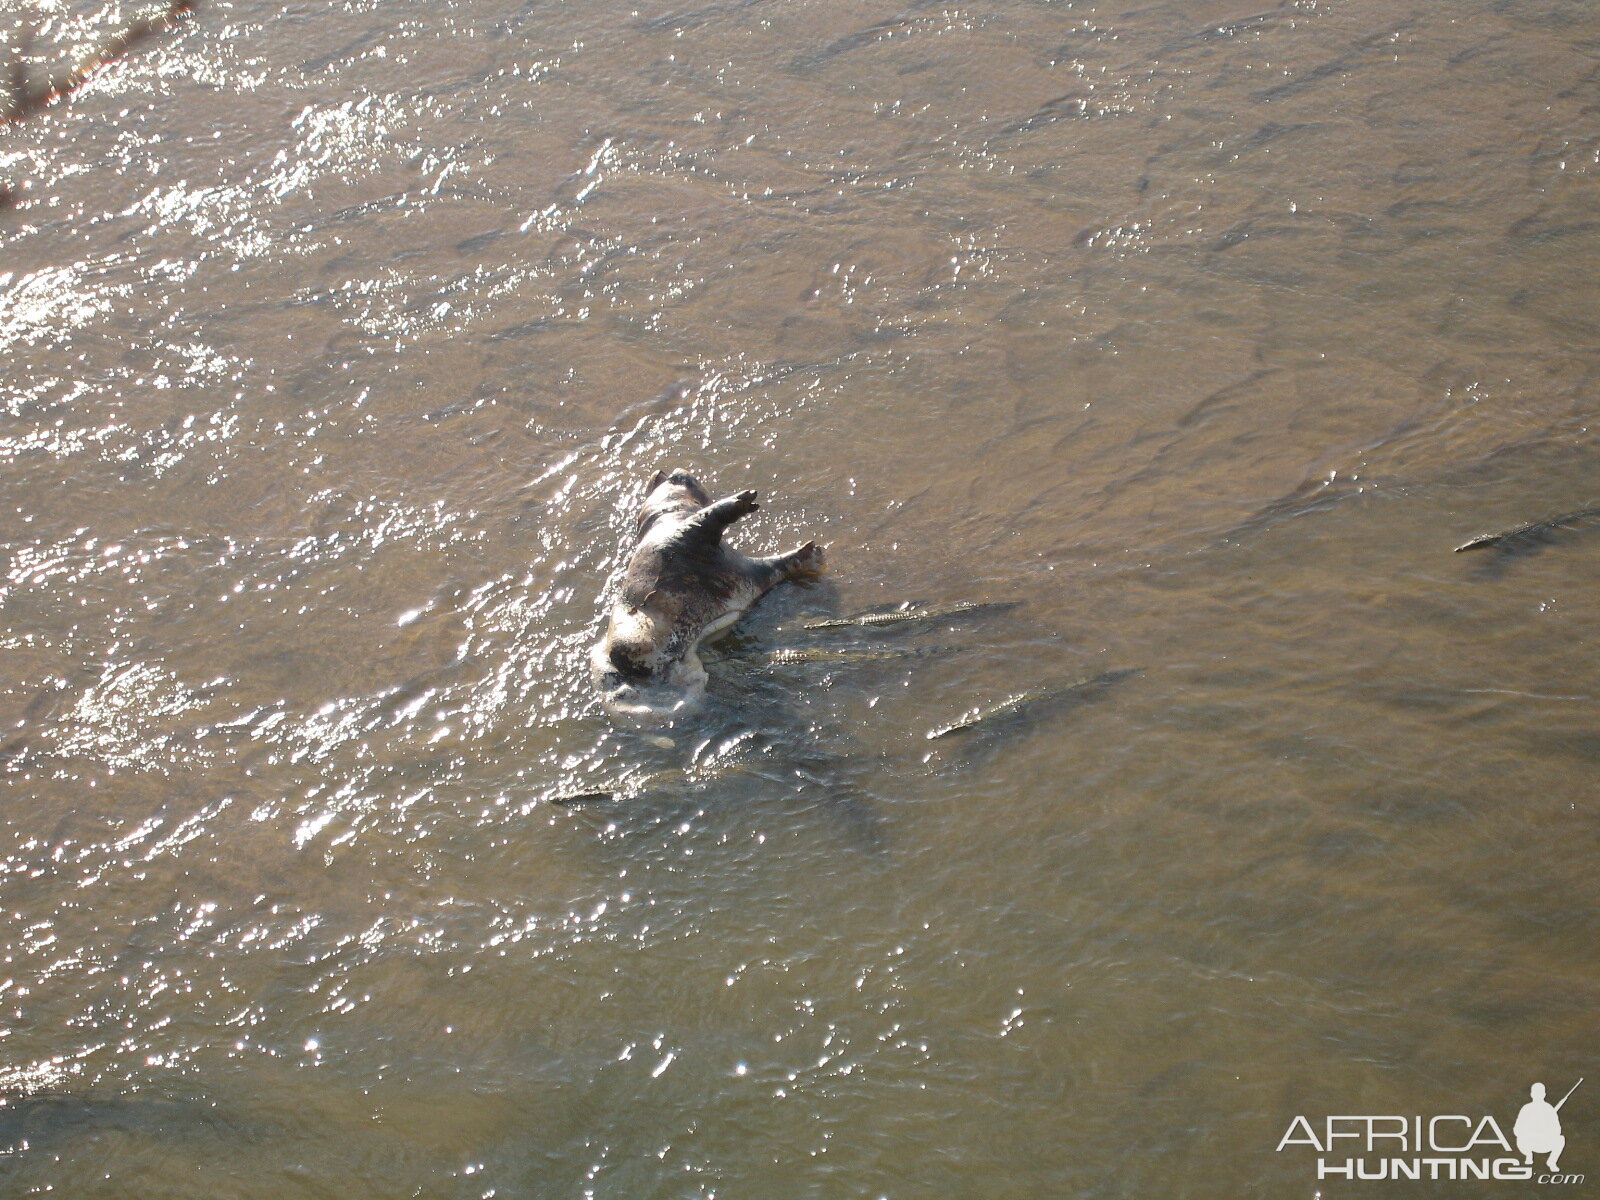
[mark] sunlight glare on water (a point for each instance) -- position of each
(341, 342)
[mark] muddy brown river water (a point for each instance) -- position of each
(340, 339)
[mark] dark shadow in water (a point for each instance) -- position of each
(36, 1123)
(756, 743)
(25, 96)
(781, 790)
(767, 742)
(676, 22)
(870, 35)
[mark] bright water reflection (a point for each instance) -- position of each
(342, 340)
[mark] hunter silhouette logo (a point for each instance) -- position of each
(1448, 1146)
(1538, 1128)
